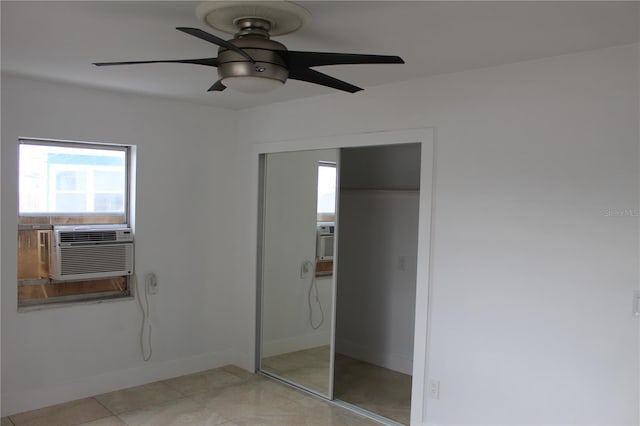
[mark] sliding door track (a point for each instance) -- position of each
(336, 402)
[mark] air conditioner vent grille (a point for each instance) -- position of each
(109, 258)
(87, 236)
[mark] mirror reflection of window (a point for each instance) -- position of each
(326, 218)
(326, 192)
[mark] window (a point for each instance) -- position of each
(326, 192)
(68, 183)
(326, 216)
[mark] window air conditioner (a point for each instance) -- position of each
(87, 252)
(324, 242)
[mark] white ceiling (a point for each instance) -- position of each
(59, 40)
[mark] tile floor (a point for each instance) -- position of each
(308, 368)
(376, 389)
(373, 388)
(224, 396)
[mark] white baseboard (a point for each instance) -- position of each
(297, 343)
(19, 401)
(392, 361)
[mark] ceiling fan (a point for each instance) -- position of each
(251, 62)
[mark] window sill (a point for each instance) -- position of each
(37, 292)
(68, 303)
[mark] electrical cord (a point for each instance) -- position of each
(313, 289)
(146, 320)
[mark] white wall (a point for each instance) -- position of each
(531, 280)
(376, 288)
(184, 207)
(532, 283)
(290, 212)
(381, 167)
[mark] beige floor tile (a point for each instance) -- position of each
(138, 397)
(373, 388)
(308, 402)
(247, 401)
(226, 396)
(183, 412)
(204, 381)
(237, 371)
(320, 412)
(316, 379)
(276, 413)
(308, 368)
(272, 386)
(67, 414)
(5, 422)
(340, 420)
(295, 361)
(107, 421)
(289, 415)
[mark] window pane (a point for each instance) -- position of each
(70, 203)
(327, 189)
(71, 181)
(108, 202)
(108, 180)
(49, 172)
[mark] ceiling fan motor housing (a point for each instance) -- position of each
(253, 39)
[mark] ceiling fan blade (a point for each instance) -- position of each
(203, 35)
(312, 76)
(217, 87)
(211, 62)
(314, 59)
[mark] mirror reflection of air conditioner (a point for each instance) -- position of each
(324, 243)
(87, 252)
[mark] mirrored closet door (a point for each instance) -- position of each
(297, 282)
(342, 330)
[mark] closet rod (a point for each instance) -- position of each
(378, 190)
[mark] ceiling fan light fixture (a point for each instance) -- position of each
(251, 84)
(251, 62)
(266, 74)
